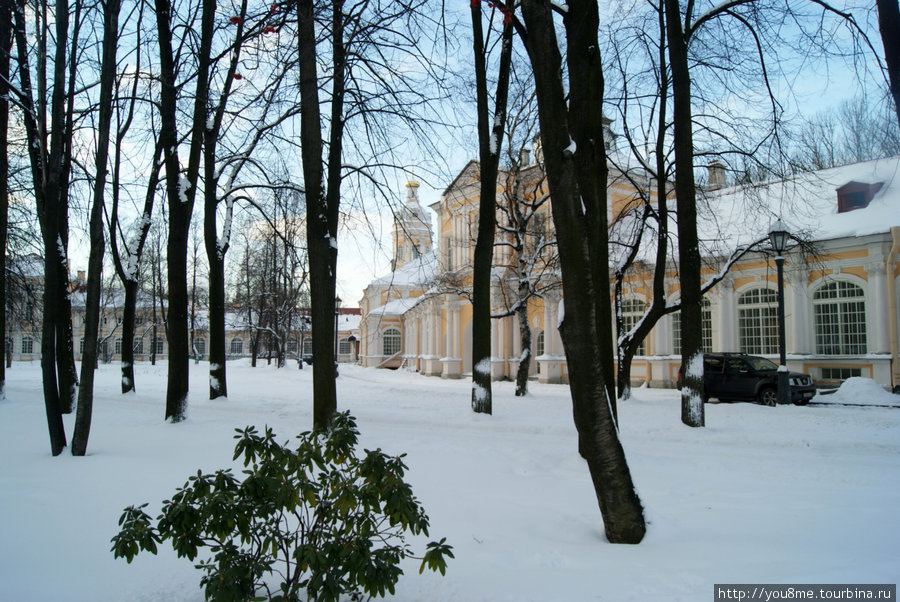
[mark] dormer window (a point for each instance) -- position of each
(856, 195)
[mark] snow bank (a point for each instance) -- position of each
(860, 391)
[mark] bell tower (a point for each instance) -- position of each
(412, 228)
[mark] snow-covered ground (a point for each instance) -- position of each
(787, 494)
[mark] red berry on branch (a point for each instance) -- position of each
(269, 29)
(236, 20)
(238, 76)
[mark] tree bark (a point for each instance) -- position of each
(577, 177)
(490, 139)
(322, 198)
(45, 171)
(98, 243)
(181, 193)
(889, 24)
(6, 37)
(525, 359)
(689, 262)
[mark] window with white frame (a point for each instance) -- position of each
(292, 345)
(706, 321)
(27, 344)
(118, 347)
(390, 342)
(344, 346)
(840, 319)
(139, 346)
(539, 344)
(237, 346)
(307, 346)
(632, 312)
(159, 343)
(81, 346)
(200, 345)
(758, 321)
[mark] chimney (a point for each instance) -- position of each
(716, 174)
(524, 157)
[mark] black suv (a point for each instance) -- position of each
(738, 376)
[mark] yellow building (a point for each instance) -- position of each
(841, 286)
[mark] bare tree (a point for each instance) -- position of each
(6, 36)
(98, 241)
(572, 138)
(889, 24)
(490, 139)
(181, 190)
(48, 165)
(532, 261)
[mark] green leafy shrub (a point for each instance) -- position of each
(315, 518)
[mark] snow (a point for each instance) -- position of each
(483, 367)
(773, 495)
(860, 391)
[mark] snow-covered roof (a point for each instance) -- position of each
(396, 307)
(418, 272)
(807, 203)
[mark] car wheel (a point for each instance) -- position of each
(767, 396)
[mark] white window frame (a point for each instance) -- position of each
(840, 306)
(758, 321)
(391, 342)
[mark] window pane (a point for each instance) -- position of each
(840, 324)
(758, 321)
(391, 342)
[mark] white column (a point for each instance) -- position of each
(724, 333)
(549, 324)
(876, 309)
(798, 310)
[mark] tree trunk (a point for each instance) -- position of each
(128, 326)
(579, 214)
(689, 262)
(95, 261)
(45, 171)
(889, 24)
(217, 377)
(525, 359)
(322, 201)
(490, 139)
(181, 193)
(5, 50)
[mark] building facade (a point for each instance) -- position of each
(841, 283)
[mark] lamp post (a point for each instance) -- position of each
(337, 310)
(778, 236)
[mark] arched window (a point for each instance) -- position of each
(840, 315)
(539, 344)
(237, 346)
(758, 321)
(390, 342)
(344, 346)
(632, 312)
(705, 318)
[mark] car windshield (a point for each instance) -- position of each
(761, 363)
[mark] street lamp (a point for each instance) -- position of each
(337, 310)
(778, 236)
